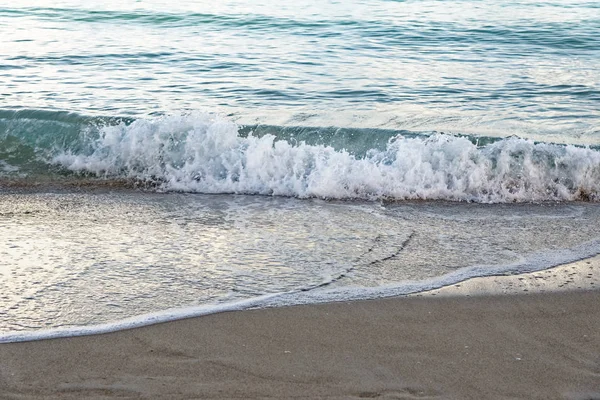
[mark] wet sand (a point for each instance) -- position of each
(484, 343)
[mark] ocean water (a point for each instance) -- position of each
(163, 160)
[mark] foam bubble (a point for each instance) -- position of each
(6, 167)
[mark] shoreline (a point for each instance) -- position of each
(480, 344)
(575, 276)
(580, 275)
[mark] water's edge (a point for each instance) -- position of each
(534, 263)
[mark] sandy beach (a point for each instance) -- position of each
(479, 344)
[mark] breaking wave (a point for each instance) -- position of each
(207, 153)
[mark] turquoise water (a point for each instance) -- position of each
(526, 68)
(82, 83)
(135, 136)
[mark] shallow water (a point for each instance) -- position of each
(74, 259)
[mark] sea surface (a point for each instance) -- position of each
(161, 160)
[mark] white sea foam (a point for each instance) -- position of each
(204, 153)
(6, 167)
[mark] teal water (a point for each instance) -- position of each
(220, 155)
(525, 68)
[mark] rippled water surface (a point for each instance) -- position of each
(76, 259)
(500, 67)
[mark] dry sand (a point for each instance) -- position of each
(485, 346)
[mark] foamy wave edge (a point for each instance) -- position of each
(304, 296)
(204, 153)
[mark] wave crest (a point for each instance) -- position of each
(205, 153)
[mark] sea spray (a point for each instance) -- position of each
(205, 153)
